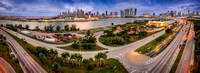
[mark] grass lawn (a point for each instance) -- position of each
(132, 39)
(112, 66)
(153, 44)
(97, 48)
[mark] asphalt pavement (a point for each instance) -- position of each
(5, 67)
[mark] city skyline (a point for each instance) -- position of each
(53, 7)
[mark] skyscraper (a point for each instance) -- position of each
(97, 13)
(135, 12)
(106, 13)
(126, 12)
(110, 13)
(172, 14)
(175, 13)
(122, 13)
(154, 14)
(188, 12)
(197, 13)
(131, 12)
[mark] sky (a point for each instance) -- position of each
(54, 7)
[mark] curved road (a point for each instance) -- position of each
(5, 67)
(27, 63)
(160, 64)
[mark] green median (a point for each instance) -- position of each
(147, 48)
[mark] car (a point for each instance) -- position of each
(106, 52)
(25, 53)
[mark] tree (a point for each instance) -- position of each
(79, 57)
(55, 67)
(67, 27)
(108, 32)
(126, 37)
(88, 33)
(169, 31)
(97, 58)
(51, 27)
(65, 55)
(112, 24)
(73, 27)
(27, 27)
(1, 37)
(87, 62)
(37, 28)
(75, 45)
(72, 57)
(16, 26)
(46, 28)
(20, 26)
(103, 56)
(58, 28)
(43, 57)
(142, 34)
(16, 60)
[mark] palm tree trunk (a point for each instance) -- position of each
(104, 62)
(100, 62)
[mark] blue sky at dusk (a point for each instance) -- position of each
(54, 7)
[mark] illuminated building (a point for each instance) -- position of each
(156, 24)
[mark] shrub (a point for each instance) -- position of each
(88, 45)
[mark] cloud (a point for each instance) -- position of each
(54, 7)
(3, 6)
(185, 6)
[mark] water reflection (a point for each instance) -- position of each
(81, 25)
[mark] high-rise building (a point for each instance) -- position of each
(115, 13)
(193, 13)
(175, 13)
(122, 13)
(110, 13)
(97, 13)
(197, 13)
(179, 13)
(188, 12)
(154, 14)
(135, 12)
(106, 13)
(172, 14)
(126, 12)
(131, 12)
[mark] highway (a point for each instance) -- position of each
(184, 63)
(27, 63)
(159, 64)
(5, 67)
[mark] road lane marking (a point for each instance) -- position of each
(3, 68)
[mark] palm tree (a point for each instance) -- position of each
(79, 58)
(97, 58)
(72, 57)
(104, 56)
(67, 27)
(65, 55)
